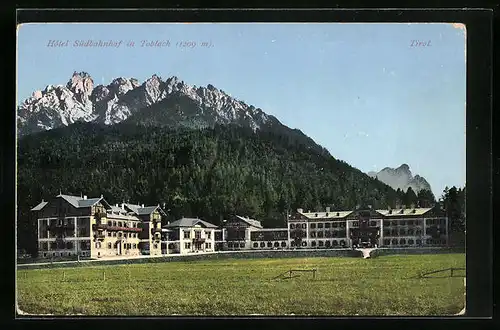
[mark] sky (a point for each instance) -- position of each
(374, 95)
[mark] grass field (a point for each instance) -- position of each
(343, 286)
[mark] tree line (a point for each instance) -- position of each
(210, 173)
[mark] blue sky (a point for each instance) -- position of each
(360, 90)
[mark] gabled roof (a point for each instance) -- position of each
(251, 222)
(78, 202)
(190, 222)
(403, 212)
(39, 206)
(139, 210)
(326, 215)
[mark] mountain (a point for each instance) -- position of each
(170, 104)
(401, 178)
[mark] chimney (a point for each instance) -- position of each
(412, 206)
(389, 207)
(403, 207)
(142, 205)
(123, 206)
(84, 197)
(300, 210)
(327, 209)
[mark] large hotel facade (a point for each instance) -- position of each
(91, 227)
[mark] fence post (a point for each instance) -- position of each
(103, 275)
(64, 275)
(451, 271)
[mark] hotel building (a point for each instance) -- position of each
(91, 227)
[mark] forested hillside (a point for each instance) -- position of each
(210, 173)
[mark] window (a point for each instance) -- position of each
(320, 234)
(304, 226)
(209, 234)
(304, 243)
(187, 234)
(334, 225)
(276, 244)
(312, 234)
(114, 223)
(283, 244)
(394, 241)
(269, 244)
(313, 226)
(120, 224)
(197, 234)
(342, 243)
(262, 244)
(230, 245)
(313, 244)
(242, 245)
(120, 234)
(402, 241)
(109, 245)
(292, 226)
(321, 243)
(410, 241)
(291, 244)
(410, 232)
(335, 243)
(327, 225)
(328, 234)
(320, 225)
(327, 244)
(255, 245)
(387, 241)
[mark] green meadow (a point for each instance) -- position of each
(342, 286)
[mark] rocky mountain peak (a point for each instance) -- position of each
(402, 178)
(80, 100)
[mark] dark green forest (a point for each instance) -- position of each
(210, 173)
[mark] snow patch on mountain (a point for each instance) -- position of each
(80, 100)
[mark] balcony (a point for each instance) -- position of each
(129, 229)
(100, 237)
(99, 226)
(99, 215)
(198, 240)
(59, 226)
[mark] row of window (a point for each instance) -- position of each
(126, 246)
(416, 232)
(64, 254)
(334, 243)
(44, 246)
(197, 234)
(125, 224)
(337, 224)
(327, 244)
(187, 245)
(410, 241)
(321, 234)
(119, 234)
(269, 244)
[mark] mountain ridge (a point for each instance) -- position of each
(401, 178)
